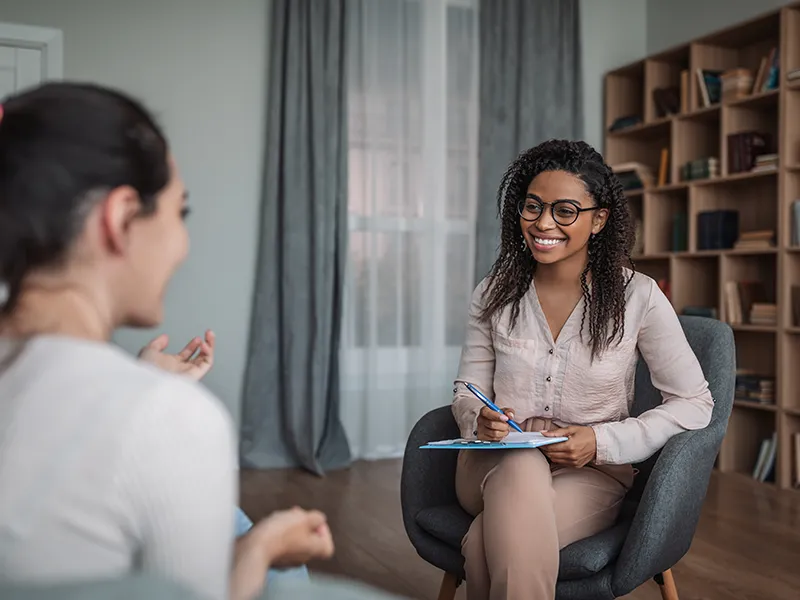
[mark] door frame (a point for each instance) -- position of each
(49, 41)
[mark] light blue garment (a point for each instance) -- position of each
(243, 525)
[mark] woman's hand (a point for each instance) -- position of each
(195, 360)
(294, 537)
(492, 426)
(579, 450)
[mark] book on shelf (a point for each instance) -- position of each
(753, 387)
(795, 300)
(744, 148)
(663, 168)
(700, 168)
(680, 232)
(764, 469)
(746, 303)
(717, 229)
(796, 461)
(768, 72)
(667, 101)
(625, 122)
(762, 239)
(795, 222)
(685, 91)
(633, 175)
(709, 84)
(793, 75)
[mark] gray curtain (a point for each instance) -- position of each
(530, 91)
(290, 405)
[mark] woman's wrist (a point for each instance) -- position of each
(251, 560)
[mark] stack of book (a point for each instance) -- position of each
(700, 168)
(751, 387)
(764, 313)
(766, 162)
(756, 240)
(736, 84)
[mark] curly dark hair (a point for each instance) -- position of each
(609, 251)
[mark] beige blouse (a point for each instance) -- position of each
(526, 370)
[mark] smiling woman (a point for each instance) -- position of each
(554, 334)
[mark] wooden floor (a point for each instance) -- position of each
(747, 544)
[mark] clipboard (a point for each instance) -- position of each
(512, 441)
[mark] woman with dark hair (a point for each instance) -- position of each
(109, 465)
(554, 335)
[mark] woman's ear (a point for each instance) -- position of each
(599, 220)
(118, 211)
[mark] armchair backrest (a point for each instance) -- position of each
(713, 344)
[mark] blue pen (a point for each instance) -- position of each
(490, 404)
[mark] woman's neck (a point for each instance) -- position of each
(66, 311)
(564, 273)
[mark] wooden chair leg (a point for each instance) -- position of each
(449, 586)
(666, 583)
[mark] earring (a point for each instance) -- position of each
(523, 245)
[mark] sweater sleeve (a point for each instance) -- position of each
(676, 373)
(476, 367)
(178, 478)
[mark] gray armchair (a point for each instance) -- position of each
(656, 526)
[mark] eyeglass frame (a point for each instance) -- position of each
(552, 205)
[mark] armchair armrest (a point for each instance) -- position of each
(667, 515)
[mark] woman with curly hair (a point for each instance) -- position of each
(554, 335)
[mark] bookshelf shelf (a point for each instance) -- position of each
(755, 406)
(767, 99)
(733, 166)
(736, 177)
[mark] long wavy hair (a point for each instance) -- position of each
(609, 250)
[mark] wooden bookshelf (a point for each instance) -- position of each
(763, 200)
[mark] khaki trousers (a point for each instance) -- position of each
(525, 511)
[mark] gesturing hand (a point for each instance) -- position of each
(286, 538)
(294, 537)
(492, 426)
(195, 360)
(579, 450)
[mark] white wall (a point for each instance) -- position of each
(613, 33)
(672, 22)
(200, 65)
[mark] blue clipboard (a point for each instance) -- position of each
(534, 441)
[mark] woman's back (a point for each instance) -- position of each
(108, 465)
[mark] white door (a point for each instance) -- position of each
(28, 56)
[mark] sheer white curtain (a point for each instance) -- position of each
(413, 67)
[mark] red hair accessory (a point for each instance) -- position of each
(1, 112)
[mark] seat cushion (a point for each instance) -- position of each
(581, 559)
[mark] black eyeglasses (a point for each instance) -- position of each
(564, 212)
